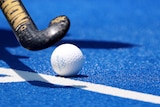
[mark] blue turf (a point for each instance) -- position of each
(120, 41)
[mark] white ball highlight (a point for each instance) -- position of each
(67, 60)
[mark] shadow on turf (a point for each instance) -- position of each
(76, 76)
(98, 44)
(8, 40)
(48, 85)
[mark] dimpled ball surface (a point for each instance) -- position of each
(67, 60)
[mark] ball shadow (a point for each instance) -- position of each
(8, 40)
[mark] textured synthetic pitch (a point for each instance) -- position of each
(120, 41)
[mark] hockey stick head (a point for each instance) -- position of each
(33, 39)
(26, 31)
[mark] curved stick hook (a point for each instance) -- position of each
(26, 31)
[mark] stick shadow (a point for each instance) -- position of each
(13, 61)
(93, 44)
(8, 40)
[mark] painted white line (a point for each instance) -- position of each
(20, 76)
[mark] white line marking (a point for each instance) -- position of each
(20, 76)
